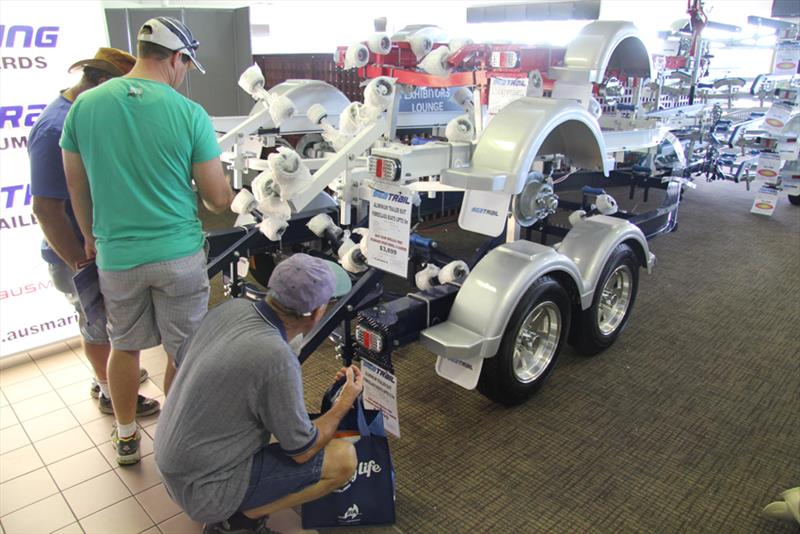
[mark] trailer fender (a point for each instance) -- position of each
(521, 131)
(603, 45)
(490, 294)
(590, 243)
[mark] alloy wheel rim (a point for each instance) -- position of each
(614, 300)
(536, 342)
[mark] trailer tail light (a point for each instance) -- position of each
(369, 339)
(384, 168)
(504, 59)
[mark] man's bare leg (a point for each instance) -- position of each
(338, 466)
(123, 383)
(98, 357)
(169, 373)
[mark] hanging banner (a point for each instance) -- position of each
(38, 43)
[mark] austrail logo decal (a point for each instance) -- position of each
(14, 117)
(366, 469)
(351, 516)
(391, 197)
(484, 211)
(18, 41)
(15, 201)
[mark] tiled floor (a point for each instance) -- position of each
(57, 467)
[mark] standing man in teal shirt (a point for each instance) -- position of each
(131, 148)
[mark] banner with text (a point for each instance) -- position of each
(38, 43)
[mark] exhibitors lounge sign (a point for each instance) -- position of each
(38, 43)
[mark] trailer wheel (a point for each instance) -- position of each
(794, 199)
(530, 345)
(596, 328)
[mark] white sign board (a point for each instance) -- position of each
(465, 374)
(790, 181)
(389, 229)
(769, 167)
(789, 150)
(40, 40)
(503, 91)
(484, 212)
(777, 117)
(787, 56)
(765, 201)
(380, 393)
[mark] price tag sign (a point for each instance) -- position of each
(503, 91)
(380, 393)
(769, 167)
(389, 229)
(777, 117)
(787, 56)
(765, 201)
(790, 181)
(789, 150)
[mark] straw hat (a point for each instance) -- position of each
(110, 60)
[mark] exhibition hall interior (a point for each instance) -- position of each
(295, 266)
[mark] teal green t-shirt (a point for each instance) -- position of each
(138, 140)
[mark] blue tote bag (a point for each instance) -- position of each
(368, 498)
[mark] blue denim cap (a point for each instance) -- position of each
(303, 283)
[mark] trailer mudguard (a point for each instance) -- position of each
(488, 297)
(522, 130)
(491, 292)
(590, 243)
(603, 45)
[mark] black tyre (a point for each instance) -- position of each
(530, 345)
(596, 328)
(794, 199)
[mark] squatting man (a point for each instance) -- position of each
(238, 384)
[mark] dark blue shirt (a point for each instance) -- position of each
(47, 167)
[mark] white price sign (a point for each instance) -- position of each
(765, 201)
(389, 229)
(769, 167)
(777, 117)
(503, 91)
(380, 393)
(787, 56)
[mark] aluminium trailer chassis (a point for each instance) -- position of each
(401, 320)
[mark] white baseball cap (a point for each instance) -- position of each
(173, 35)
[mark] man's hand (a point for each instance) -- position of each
(90, 249)
(352, 387)
(329, 421)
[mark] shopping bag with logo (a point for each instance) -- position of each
(368, 498)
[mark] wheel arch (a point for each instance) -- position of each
(490, 294)
(592, 241)
(605, 44)
(519, 133)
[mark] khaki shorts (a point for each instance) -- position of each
(156, 303)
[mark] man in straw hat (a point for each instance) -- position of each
(62, 247)
(131, 149)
